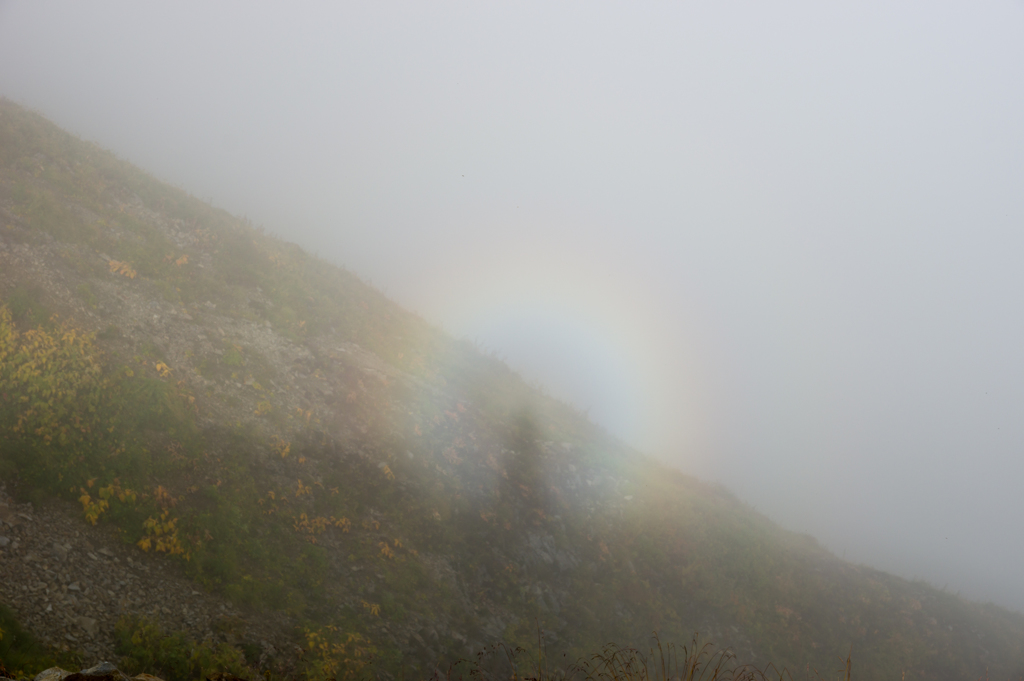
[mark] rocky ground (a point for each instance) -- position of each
(101, 672)
(69, 583)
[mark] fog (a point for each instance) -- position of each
(778, 245)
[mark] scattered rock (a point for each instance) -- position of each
(66, 584)
(104, 671)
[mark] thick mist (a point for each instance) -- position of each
(777, 245)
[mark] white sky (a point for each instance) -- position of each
(779, 244)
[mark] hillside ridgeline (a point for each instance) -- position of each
(326, 479)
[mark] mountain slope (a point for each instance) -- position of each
(289, 439)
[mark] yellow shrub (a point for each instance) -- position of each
(53, 386)
(331, 655)
(122, 268)
(162, 535)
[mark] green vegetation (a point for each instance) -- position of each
(297, 443)
(172, 656)
(20, 653)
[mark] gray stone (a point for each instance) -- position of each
(104, 670)
(88, 624)
(52, 674)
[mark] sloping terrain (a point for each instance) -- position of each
(340, 481)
